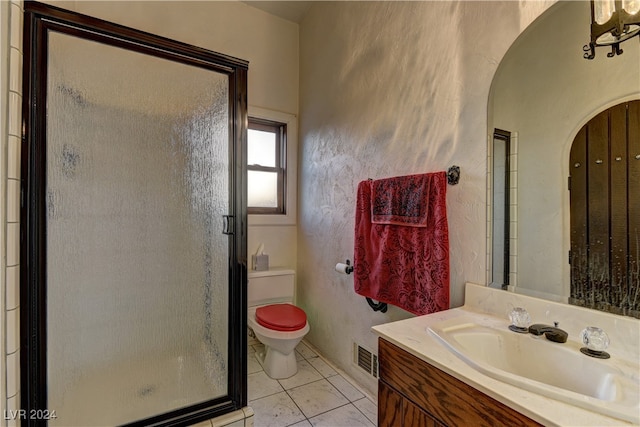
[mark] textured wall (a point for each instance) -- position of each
(391, 88)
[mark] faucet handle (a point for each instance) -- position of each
(520, 320)
(596, 341)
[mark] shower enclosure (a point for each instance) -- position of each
(134, 247)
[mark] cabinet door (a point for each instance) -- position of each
(389, 406)
(415, 417)
(394, 410)
(440, 395)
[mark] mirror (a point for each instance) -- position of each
(544, 92)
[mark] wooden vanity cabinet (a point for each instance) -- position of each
(413, 393)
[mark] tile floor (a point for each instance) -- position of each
(317, 395)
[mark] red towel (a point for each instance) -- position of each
(406, 266)
(401, 201)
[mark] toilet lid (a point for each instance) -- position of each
(281, 317)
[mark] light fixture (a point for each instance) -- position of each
(612, 22)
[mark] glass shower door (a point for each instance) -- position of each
(138, 163)
(137, 277)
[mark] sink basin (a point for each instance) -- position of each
(558, 371)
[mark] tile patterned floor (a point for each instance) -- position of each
(318, 395)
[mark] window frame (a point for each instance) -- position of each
(291, 196)
(280, 168)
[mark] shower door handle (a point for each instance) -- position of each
(227, 224)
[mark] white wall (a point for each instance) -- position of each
(546, 91)
(391, 88)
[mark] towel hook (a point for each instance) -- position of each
(453, 175)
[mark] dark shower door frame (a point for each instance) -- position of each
(39, 20)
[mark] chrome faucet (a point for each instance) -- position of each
(552, 333)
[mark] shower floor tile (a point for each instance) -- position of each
(318, 395)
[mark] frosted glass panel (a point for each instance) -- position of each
(137, 271)
(262, 189)
(261, 148)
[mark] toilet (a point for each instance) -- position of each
(275, 321)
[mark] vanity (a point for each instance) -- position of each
(411, 392)
(465, 367)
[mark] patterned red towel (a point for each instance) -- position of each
(404, 266)
(402, 201)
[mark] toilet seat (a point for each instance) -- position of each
(281, 317)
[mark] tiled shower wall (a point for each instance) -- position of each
(11, 41)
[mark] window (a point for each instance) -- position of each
(266, 166)
(285, 125)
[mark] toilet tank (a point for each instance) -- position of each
(270, 286)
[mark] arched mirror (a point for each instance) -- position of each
(544, 92)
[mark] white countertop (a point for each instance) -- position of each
(412, 336)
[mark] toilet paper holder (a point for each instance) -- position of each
(346, 268)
